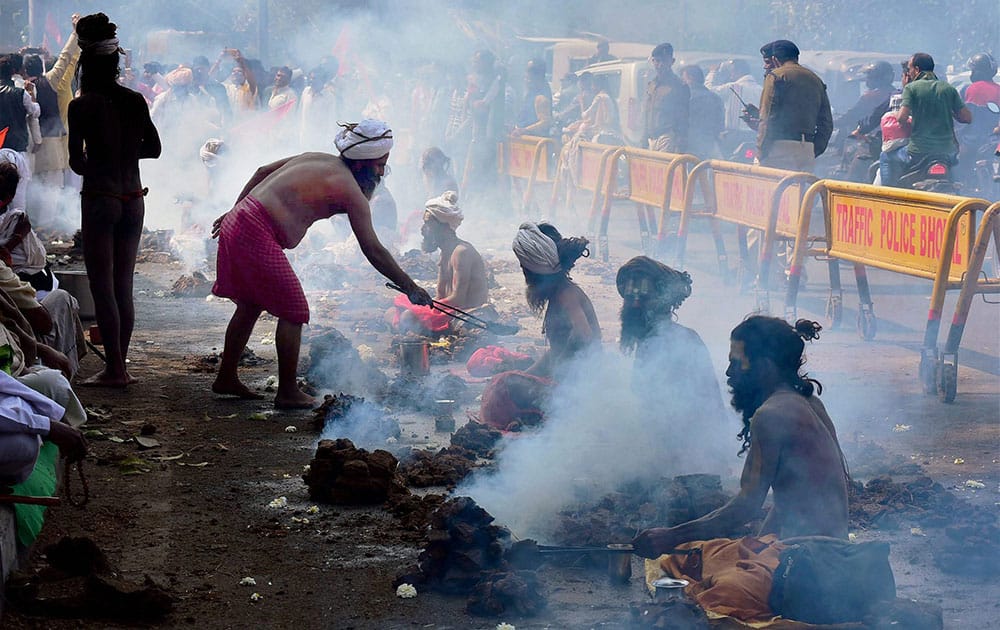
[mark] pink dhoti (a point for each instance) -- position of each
(252, 267)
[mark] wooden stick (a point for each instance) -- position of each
(13, 498)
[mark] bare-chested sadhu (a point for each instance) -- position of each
(272, 214)
(792, 449)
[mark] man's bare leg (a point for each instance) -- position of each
(98, 256)
(287, 341)
(128, 233)
(227, 382)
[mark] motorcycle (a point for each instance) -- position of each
(984, 178)
(931, 173)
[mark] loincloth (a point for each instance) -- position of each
(252, 267)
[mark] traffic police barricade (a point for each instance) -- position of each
(751, 197)
(922, 234)
(656, 181)
(587, 171)
(526, 158)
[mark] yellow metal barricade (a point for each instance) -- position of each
(656, 182)
(586, 170)
(916, 233)
(527, 159)
(750, 197)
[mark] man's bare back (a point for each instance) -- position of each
(462, 278)
(300, 190)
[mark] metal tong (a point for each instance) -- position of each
(617, 549)
(449, 310)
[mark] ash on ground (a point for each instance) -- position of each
(210, 362)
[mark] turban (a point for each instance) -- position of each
(180, 76)
(668, 283)
(445, 209)
(367, 140)
(535, 251)
(209, 152)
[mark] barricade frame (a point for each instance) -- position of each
(537, 171)
(938, 371)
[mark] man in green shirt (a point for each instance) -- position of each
(932, 104)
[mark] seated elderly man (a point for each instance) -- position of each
(55, 321)
(570, 324)
(673, 377)
(461, 276)
(28, 417)
(792, 450)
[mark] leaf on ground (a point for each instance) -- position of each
(170, 458)
(146, 442)
(115, 439)
(133, 466)
(198, 465)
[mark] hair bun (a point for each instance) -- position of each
(808, 329)
(96, 27)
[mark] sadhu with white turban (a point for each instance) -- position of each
(570, 324)
(462, 281)
(272, 214)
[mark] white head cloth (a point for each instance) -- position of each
(535, 251)
(445, 209)
(101, 47)
(209, 152)
(367, 140)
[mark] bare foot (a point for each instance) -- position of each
(131, 379)
(103, 379)
(296, 400)
(235, 388)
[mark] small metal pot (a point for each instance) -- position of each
(414, 358)
(443, 418)
(620, 564)
(668, 589)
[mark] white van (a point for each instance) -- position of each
(627, 79)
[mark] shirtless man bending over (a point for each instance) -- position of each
(272, 214)
(791, 440)
(461, 270)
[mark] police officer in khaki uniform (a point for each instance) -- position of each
(795, 117)
(666, 106)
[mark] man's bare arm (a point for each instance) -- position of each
(360, 215)
(77, 155)
(758, 475)
(964, 115)
(903, 115)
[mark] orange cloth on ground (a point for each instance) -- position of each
(733, 577)
(492, 360)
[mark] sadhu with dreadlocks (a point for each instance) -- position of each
(789, 439)
(673, 379)
(272, 214)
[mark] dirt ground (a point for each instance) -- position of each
(193, 514)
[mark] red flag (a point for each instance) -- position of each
(52, 29)
(3, 135)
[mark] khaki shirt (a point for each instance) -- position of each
(665, 108)
(794, 103)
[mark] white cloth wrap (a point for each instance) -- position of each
(101, 47)
(370, 139)
(535, 251)
(445, 209)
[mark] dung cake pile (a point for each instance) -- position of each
(195, 285)
(465, 556)
(346, 416)
(335, 365)
(342, 474)
(445, 467)
(477, 437)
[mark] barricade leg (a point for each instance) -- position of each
(602, 236)
(866, 310)
(644, 236)
(762, 285)
(835, 302)
(947, 363)
(720, 253)
(745, 271)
